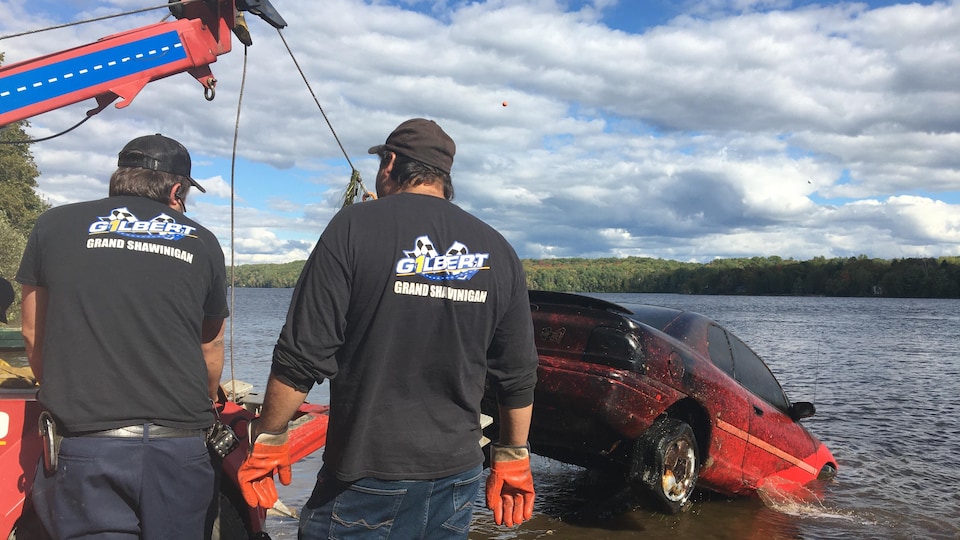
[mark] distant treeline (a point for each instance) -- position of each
(266, 276)
(854, 276)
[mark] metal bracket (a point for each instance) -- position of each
(263, 9)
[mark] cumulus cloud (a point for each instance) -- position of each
(722, 129)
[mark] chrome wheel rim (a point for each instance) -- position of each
(679, 471)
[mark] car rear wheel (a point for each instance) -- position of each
(667, 464)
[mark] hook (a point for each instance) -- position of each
(210, 90)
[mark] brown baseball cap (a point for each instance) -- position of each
(421, 140)
(158, 153)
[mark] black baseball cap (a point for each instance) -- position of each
(158, 153)
(421, 140)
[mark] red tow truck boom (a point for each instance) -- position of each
(119, 66)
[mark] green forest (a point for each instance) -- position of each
(854, 276)
(19, 203)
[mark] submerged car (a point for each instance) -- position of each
(669, 398)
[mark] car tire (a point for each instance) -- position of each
(228, 524)
(667, 464)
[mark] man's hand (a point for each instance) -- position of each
(510, 485)
(268, 453)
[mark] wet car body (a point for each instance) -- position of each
(669, 397)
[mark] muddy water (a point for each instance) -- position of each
(883, 373)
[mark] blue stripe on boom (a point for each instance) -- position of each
(62, 78)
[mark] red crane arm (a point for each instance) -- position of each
(119, 66)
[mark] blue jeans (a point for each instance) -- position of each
(382, 509)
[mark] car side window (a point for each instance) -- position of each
(756, 376)
(719, 349)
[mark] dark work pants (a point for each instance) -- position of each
(127, 489)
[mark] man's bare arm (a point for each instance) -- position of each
(34, 315)
(212, 345)
(515, 425)
(280, 402)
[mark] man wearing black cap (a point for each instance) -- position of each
(124, 301)
(407, 304)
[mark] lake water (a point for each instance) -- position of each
(883, 373)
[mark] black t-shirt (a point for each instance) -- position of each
(129, 282)
(407, 303)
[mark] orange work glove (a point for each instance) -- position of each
(268, 453)
(510, 485)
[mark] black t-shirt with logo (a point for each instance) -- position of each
(407, 303)
(129, 282)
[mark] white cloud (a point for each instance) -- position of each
(733, 129)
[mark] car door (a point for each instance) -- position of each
(731, 417)
(777, 445)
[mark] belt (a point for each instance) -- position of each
(141, 431)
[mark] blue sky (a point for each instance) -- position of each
(686, 130)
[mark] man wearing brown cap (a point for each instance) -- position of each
(124, 300)
(407, 304)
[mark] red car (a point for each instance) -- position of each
(668, 397)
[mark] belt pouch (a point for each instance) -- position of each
(51, 441)
(221, 440)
